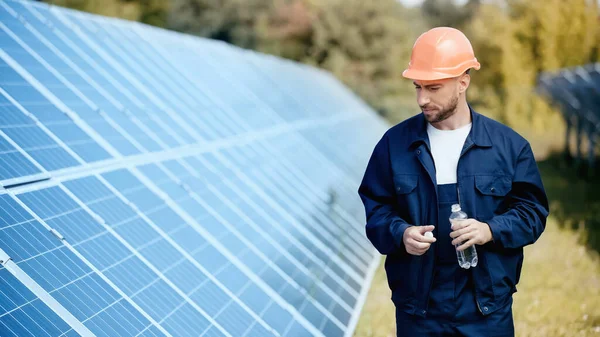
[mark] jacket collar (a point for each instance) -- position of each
(478, 135)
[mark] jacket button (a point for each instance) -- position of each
(485, 308)
(492, 189)
(399, 189)
(423, 312)
(418, 151)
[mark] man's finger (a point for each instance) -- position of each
(413, 251)
(418, 245)
(459, 224)
(466, 245)
(422, 238)
(464, 237)
(459, 232)
(420, 251)
(428, 228)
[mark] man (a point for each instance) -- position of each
(450, 154)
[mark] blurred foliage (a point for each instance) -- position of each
(367, 44)
(153, 12)
(517, 39)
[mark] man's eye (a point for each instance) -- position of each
(434, 89)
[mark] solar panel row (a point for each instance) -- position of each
(158, 184)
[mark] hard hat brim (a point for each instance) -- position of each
(421, 75)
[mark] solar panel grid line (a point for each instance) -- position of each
(183, 75)
(218, 121)
(48, 95)
(53, 123)
(339, 232)
(282, 251)
(268, 183)
(135, 66)
(323, 244)
(136, 253)
(296, 243)
(266, 174)
(40, 125)
(63, 80)
(266, 216)
(83, 37)
(99, 88)
(350, 233)
(223, 250)
(217, 114)
(244, 90)
(166, 65)
(21, 151)
(312, 221)
(321, 160)
(296, 263)
(72, 249)
(232, 116)
(109, 98)
(343, 185)
(83, 55)
(277, 207)
(16, 302)
(362, 297)
(130, 161)
(268, 72)
(45, 297)
(186, 254)
(21, 323)
(225, 120)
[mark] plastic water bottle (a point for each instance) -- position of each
(468, 257)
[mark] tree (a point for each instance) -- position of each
(516, 40)
(152, 12)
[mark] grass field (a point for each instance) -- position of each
(559, 291)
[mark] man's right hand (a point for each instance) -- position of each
(415, 241)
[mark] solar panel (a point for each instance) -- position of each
(160, 184)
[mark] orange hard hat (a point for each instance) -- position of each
(441, 52)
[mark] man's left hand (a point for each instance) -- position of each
(470, 232)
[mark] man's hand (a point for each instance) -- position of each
(470, 232)
(415, 242)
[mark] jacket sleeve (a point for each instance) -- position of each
(525, 220)
(384, 227)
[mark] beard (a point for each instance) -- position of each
(445, 112)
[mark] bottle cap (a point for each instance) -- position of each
(456, 208)
(428, 234)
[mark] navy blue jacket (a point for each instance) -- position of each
(499, 184)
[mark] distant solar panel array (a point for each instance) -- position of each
(576, 91)
(159, 184)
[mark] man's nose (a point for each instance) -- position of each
(422, 98)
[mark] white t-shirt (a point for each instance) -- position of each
(446, 146)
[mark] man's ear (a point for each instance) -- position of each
(463, 83)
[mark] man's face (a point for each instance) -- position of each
(438, 99)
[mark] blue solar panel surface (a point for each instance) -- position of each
(159, 184)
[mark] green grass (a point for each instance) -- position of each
(559, 291)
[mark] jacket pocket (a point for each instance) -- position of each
(405, 183)
(498, 186)
(407, 198)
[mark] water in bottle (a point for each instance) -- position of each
(468, 257)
